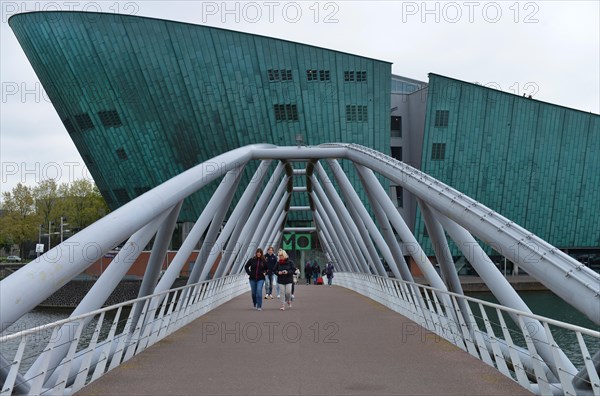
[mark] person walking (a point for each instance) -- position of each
(285, 277)
(256, 268)
(316, 271)
(308, 272)
(329, 273)
(271, 261)
(295, 280)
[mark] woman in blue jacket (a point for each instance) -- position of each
(256, 268)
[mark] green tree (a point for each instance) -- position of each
(82, 203)
(20, 220)
(46, 197)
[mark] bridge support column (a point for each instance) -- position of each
(249, 228)
(339, 217)
(352, 220)
(241, 211)
(200, 267)
(353, 200)
(245, 211)
(337, 233)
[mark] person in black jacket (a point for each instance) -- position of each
(329, 272)
(308, 272)
(256, 269)
(316, 271)
(271, 260)
(284, 270)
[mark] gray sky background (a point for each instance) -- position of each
(550, 49)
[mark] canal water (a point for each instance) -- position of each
(547, 304)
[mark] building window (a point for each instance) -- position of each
(291, 112)
(279, 75)
(110, 118)
(311, 75)
(121, 195)
(399, 196)
(107, 197)
(362, 113)
(350, 113)
(84, 122)
(356, 113)
(397, 153)
(122, 154)
(358, 76)
(324, 75)
(69, 125)
(441, 118)
(438, 151)
(396, 126)
(286, 112)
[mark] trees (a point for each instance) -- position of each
(26, 208)
(19, 222)
(81, 203)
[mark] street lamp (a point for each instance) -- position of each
(62, 225)
(37, 248)
(49, 233)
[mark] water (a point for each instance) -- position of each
(547, 304)
(39, 340)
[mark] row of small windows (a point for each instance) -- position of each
(355, 76)
(441, 118)
(315, 75)
(286, 112)
(318, 75)
(289, 112)
(280, 75)
(109, 119)
(356, 113)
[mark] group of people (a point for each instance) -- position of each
(313, 272)
(280, 272)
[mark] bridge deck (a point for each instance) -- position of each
(332, 342)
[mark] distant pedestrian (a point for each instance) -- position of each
(295, 277)
(329, 273)
(316, 271)
(256, 268)
(285, 277)
(308, 272)
(271, 260)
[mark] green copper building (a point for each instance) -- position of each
(144, 99)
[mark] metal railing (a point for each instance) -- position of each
(105, 338)
(495, 334)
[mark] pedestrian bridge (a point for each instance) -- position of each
(509, 338)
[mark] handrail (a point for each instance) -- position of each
(551, 321)
(493, 345)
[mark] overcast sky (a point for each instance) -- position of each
(550, 49)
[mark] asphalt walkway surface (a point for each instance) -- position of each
(332, 342)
